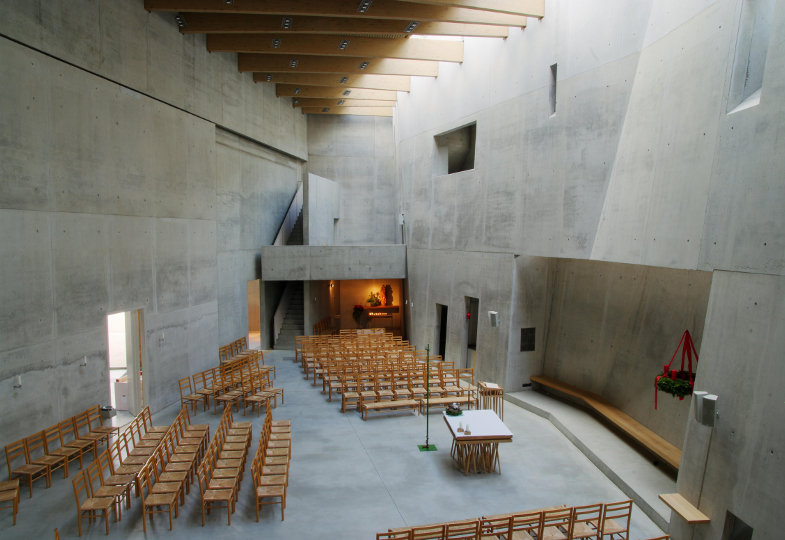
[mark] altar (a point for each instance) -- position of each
(477, 450)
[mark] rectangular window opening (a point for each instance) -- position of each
(736, 529)
(455, 150)
(552, 96)
(752, 43)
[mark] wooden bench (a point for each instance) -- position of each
(684, 508)
(388, 405)
(469, 400)
(628, 425)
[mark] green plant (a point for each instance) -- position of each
(373, 299)
(676, 387)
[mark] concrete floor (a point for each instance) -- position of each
(350, 479)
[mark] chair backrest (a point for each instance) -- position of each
(532, 523)
(400, 535)
(93, 417)
(619, 512)
(81, 424)
(81, 487)
(587, 514)
(94, 476)
(36, 447)
(14, 451)
(104, 466)
(185, 386)
(497, 527)
(557, 517)
(462, 530)
(52, 438)
(67, 432)
(428, 532)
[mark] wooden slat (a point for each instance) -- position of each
(646, 437)
(324, 64)
(411, 49)
(290, 90)
(531, 8)
(375, 82)
(342, 8)
(360, 111)
(309, 102)
(684, 508)
(241, 23)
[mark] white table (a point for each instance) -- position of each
(478, 450)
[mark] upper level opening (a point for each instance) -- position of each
(455, 150)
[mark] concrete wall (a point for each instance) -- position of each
(358, 153)
(321, 210)
(305, 263)
(641, 166)
(115, 196)
(613, 327)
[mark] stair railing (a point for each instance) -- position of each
(280, 312)
(289, 220)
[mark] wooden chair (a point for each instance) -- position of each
(616, 520)
(165, 484)
(263, 494)
(584, 522)
(36, 449)
(99, 489)
(95, 412)
(187, 394)
(203, 385)
(110, 479)
(663, 537)
(86, 425)
(556, 524)
(155, 503)
(69, 437)
(429, 532)
(88, 506)
(82, 433)
(23, 468)
(9, 496)
(529, 525)
(214, 497)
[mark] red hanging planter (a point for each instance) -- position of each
(679, 383)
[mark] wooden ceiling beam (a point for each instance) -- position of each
(381, 9)
(373, 82)
(310, 102)
(530, 8)
(324, 92)
(238, 23)
(359, 111)
(414, 49)
(279, 63)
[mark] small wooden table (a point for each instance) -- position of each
(479, 450)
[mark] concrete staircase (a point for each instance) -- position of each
(293, 321)
(296, 236)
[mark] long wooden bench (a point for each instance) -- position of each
(684, 508)
(393, 404)
(469, 400)
(628, 425)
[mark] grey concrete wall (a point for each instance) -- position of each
(358, 153)
(641, 166)
(120, 41)
(305, 263)
(613, 327)
(321, 208)
(113, 199)
(738, 466)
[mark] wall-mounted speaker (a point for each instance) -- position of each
(705, 407)
(493, 318)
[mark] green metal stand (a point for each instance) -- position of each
(427, 447)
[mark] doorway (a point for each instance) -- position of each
(254, 314)
(469, 353)
(441, 329)
(125, 331)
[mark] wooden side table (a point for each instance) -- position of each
(491, 397)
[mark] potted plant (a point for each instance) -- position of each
(373, 299)
(359, 315)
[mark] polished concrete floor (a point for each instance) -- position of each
(351, 478)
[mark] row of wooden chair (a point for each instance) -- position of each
(225, 383)
(325, 326)
(165, 477)
(232, 349)
(45, 451)
(220, 472)
(595, 521)
(270, 466)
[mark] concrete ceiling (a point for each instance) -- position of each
(345, 56)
